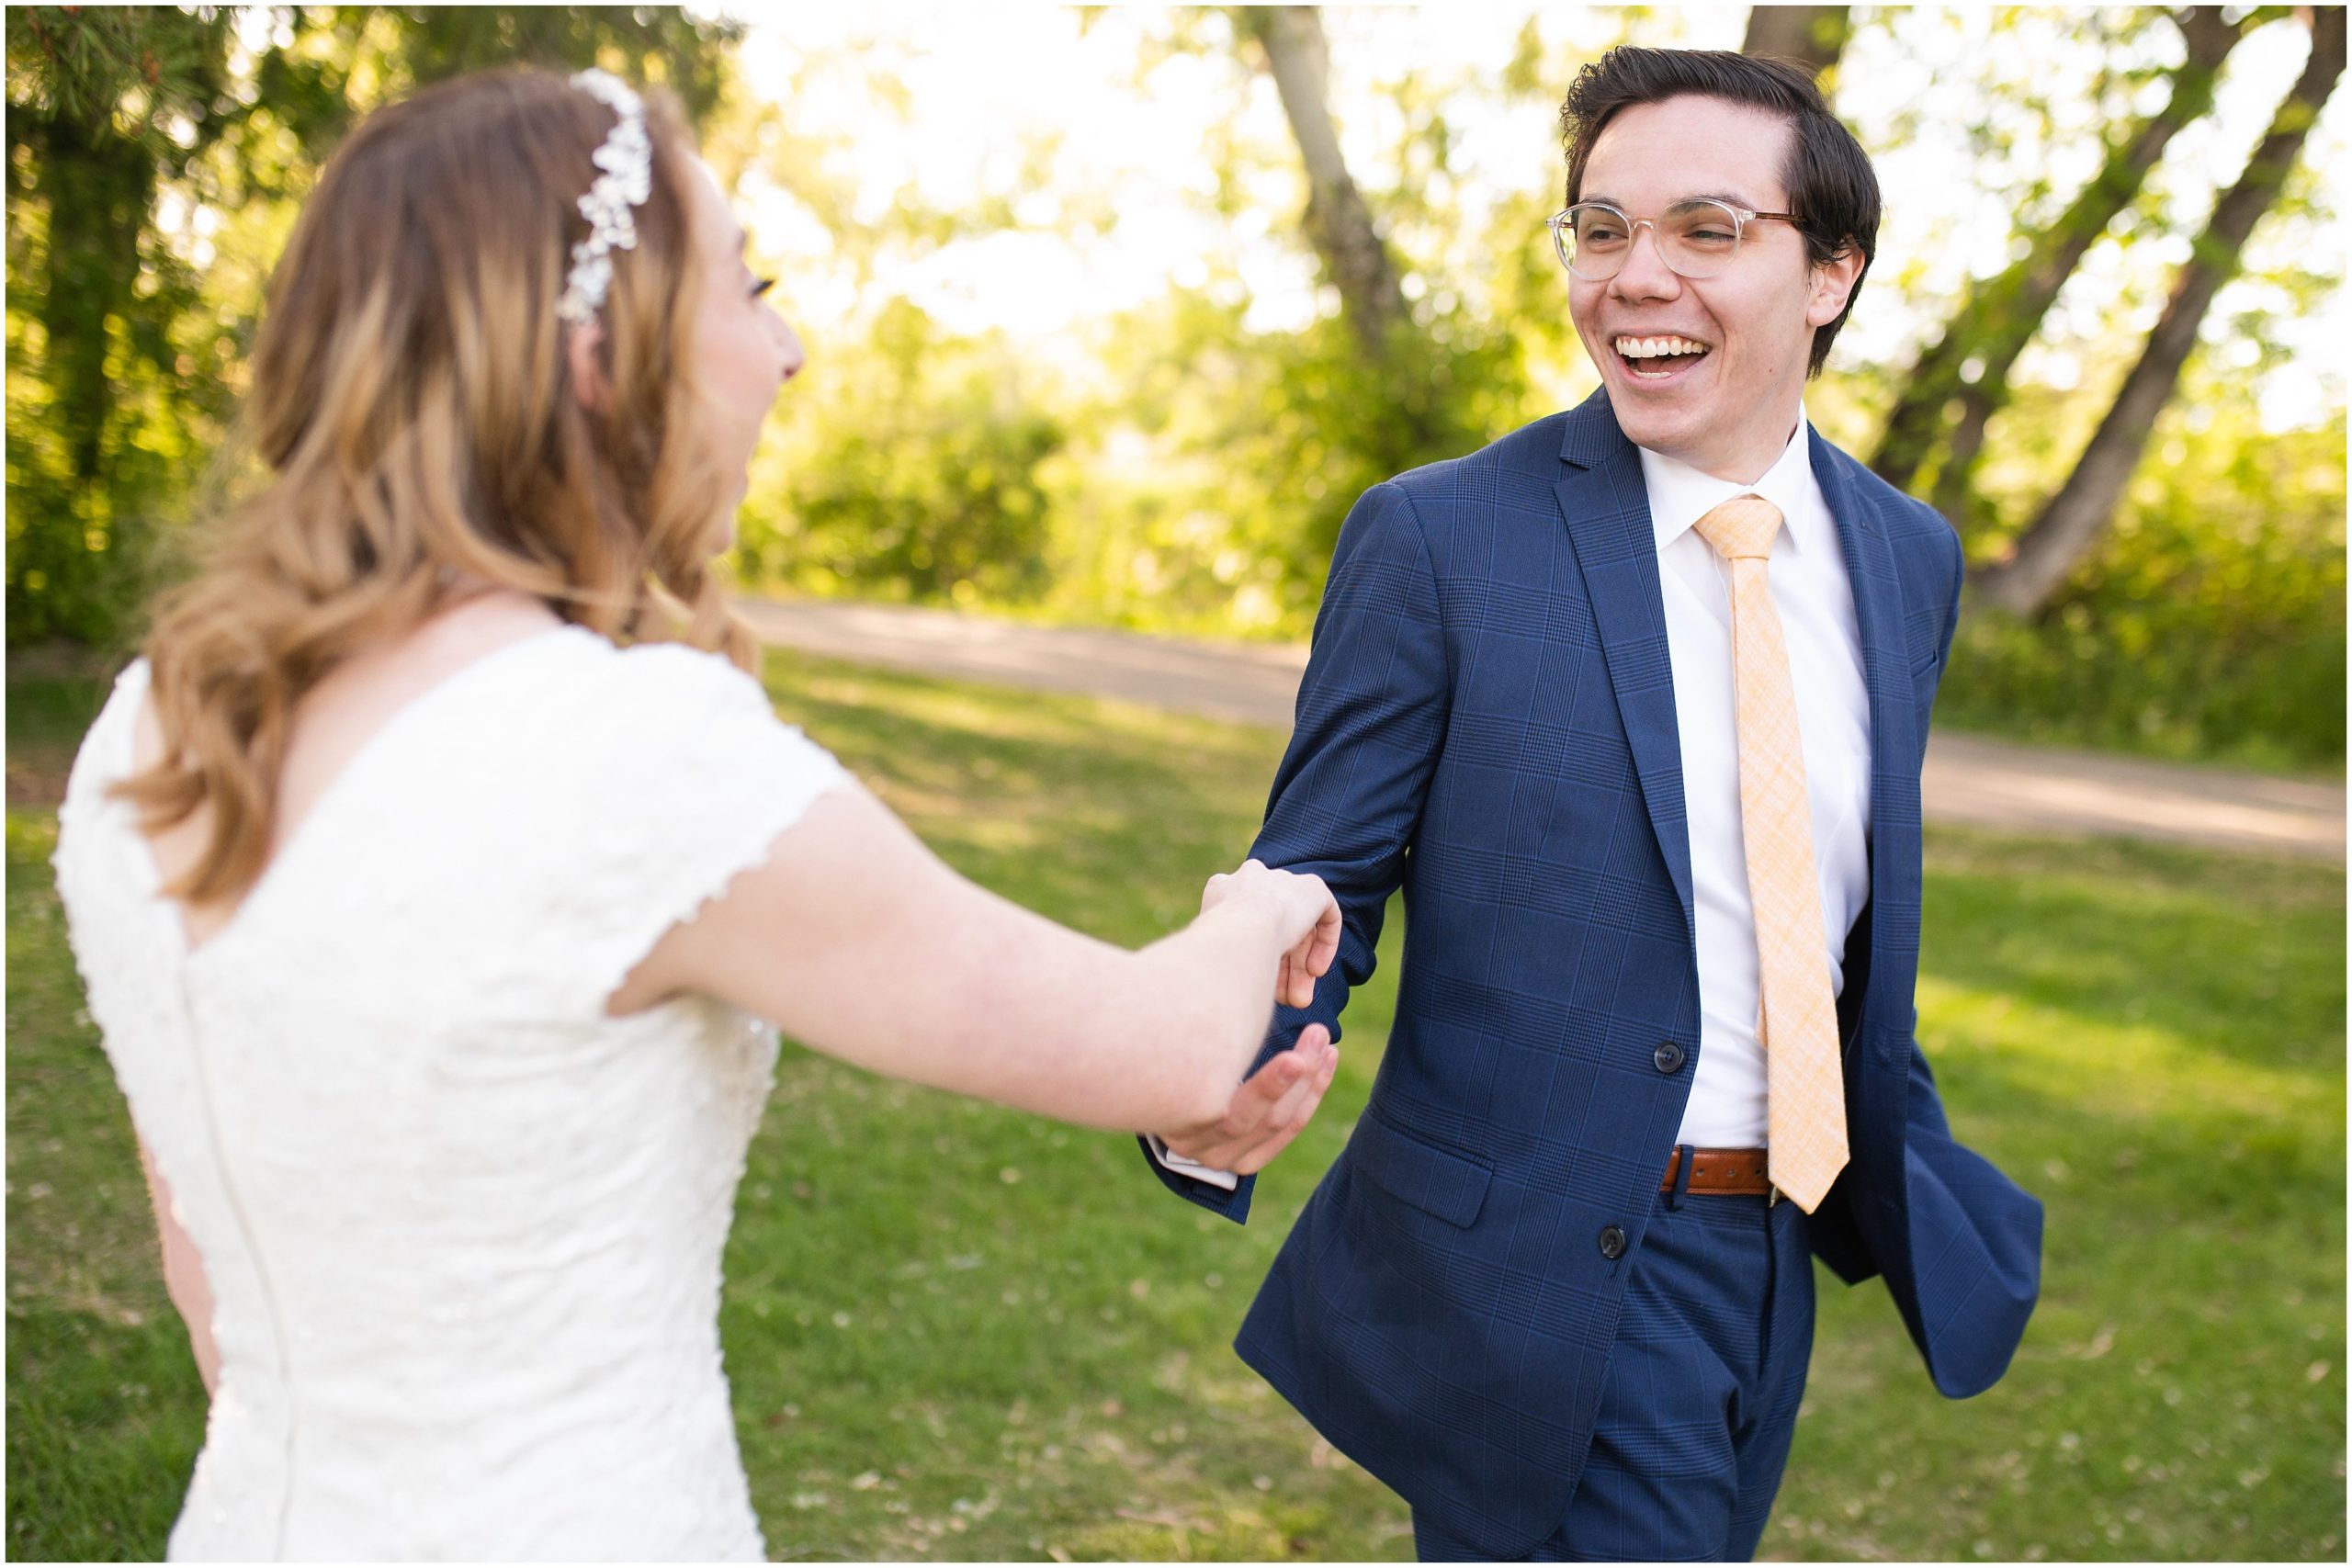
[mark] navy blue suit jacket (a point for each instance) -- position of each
(1487, 721)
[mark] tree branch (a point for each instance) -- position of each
(1997, 318)
(2075, 519)
(1813, 36)
(1338, 223)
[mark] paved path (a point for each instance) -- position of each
(1968, 778)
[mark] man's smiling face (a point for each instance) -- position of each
(1709, 370)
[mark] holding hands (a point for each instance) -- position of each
(1307, 916)
(1270, 1106)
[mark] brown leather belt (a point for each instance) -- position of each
(1732, 1172)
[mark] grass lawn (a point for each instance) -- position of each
(956, 1332)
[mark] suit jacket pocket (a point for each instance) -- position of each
(1435, 1180)
(1923, 654)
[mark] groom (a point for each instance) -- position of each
(1632, 706)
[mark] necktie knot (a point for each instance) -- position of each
(1742, 528)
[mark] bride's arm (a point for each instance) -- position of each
(854, 937)
(184, 1279)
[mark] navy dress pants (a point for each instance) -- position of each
(1701, 1395)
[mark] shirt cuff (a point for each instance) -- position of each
(1193, 1168)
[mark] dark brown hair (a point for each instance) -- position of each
(1832, 188)
(413, 402)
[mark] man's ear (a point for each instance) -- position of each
(588, 383)
(1833, 284)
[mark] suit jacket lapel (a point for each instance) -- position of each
(1607, 510)
(1879, 614)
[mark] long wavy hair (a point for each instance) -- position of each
(413, 402)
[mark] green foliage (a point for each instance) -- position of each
(1198, 480)
(105, 104)
(1968, 362)
(1189, 468)
(1226, 459)
(2210, 622)
(155, 156)
(912, 472)
(957, 1332)
(417, 44)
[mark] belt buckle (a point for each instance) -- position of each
(1771, 1196)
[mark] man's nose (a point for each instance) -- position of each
(1644, 275)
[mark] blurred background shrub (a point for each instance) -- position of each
(1113, 315)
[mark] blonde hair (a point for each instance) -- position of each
(414, 403)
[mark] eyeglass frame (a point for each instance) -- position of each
(1741, 217)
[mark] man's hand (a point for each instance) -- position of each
(1266, 1113)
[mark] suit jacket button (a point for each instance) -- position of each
(1667, 1056)
(1612, 1243)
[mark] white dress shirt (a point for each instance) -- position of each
(1816, 599)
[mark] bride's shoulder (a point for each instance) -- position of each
(626, 716)
(662, 685)
(105, 751)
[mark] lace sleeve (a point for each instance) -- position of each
(688, 778)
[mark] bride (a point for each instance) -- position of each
(429, 872)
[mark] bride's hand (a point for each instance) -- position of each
(1306, 915)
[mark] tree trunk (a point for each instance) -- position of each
(1997, 318)
(1813, 36)
(99, 188)
(2077, 515)
(1337, 224)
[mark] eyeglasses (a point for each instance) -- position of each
(1695, 238)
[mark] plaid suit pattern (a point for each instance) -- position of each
(1700, 1401)
(1487, 722)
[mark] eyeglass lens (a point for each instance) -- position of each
(1696, 238)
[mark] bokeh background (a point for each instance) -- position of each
(1112, 314)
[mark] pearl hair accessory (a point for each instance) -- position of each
(626, 160)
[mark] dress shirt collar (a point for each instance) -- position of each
(1680, 495)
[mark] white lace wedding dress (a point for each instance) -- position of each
(462, 1229)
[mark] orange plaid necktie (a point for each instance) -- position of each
(1797, 1022)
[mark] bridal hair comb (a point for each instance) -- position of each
(626, 160)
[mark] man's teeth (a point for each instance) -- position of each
(1658, 347)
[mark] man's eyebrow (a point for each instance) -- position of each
(1729, 198)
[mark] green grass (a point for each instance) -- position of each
(955, 1332)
